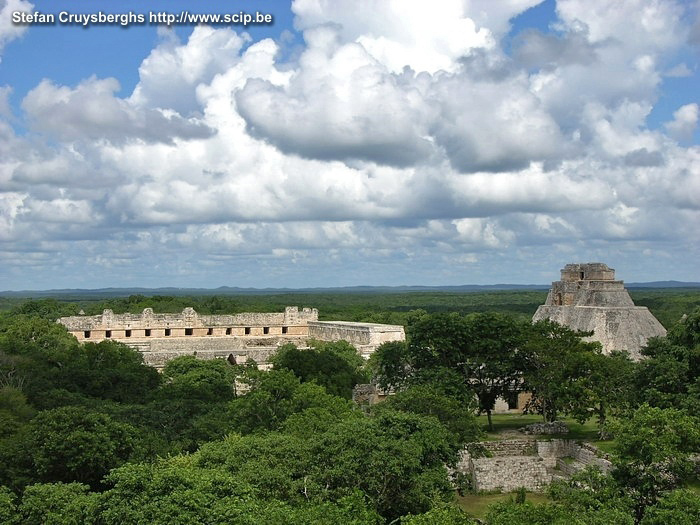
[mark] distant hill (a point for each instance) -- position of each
(663, 284)
(228, 290)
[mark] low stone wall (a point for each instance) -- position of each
(588, 455)
(552, 450)
(527, 463)
(157, 352)
(509, 473)
(366, 337)
(568, 466)
(260, 355)
(513, 447)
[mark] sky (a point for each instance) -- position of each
(349, 142)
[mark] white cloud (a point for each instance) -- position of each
(647, 26)
(225, 161)
(5, 111)
(679, 71)
(8, 29)
(92, 112)
(425, 36)
(341, 104)
(169, 76)
(685, 120)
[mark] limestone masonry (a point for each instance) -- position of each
(532, 464)
(588, 298)
(239, 337)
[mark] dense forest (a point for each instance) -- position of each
(667, 304)
(89, 434)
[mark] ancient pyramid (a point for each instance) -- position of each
(589, 298)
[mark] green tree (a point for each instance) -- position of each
(609, 387)
(331, 365)
(558, 370)
(115, 371)
(390, 365)
(396, 459)
(511, 513)
(680, 507)
(686, 332)
(33, 353)
(14, 410)
(186, 490)
(652, 453)
(8, 507)
(74, 444)
(39, 356)
(482, 351)
(591, 490)
(48, 309)
(670, 376)
(272, 465)
(277, 395)
(187, 377)
(58, 504)
(427, 400)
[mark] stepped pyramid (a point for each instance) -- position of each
(589, 298)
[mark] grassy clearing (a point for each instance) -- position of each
(606, 446)
(587, 431)
(504, 422)
(694, 486)
(477, 504)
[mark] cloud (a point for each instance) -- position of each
(535, 49)
(685, 120)
(342, 104)
(492, 125)
(679, 71)
(170, 74)
(423, 36)
(404, 140)
(8, 30)
(90, 111)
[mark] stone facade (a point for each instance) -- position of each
(509, 473)
(588, 298)
(237, 337)
(109, 325)
(366, 337)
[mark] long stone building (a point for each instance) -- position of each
(588, 298)
(237, 337)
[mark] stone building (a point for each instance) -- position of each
(588, 298)
(237, 337)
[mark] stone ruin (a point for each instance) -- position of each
(589, 299)
(549, 428)
(533, 464)
(161, 337)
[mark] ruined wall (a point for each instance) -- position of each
(261, 355)
(366, 337)
(532, 464)
(511, 447)
(510, 473)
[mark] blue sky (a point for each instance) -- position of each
(349, 143)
